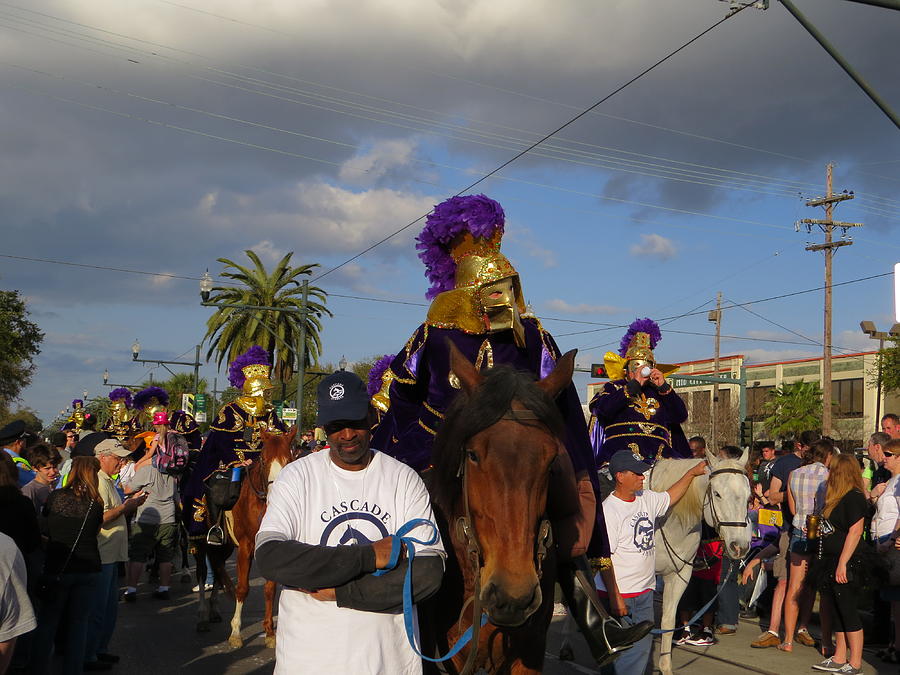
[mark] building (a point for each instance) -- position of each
(856, 413)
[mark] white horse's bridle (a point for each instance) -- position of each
(707, 499)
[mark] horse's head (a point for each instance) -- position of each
(496, 444)
(725, 503)
(277, 452)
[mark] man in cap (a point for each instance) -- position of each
(330, 523)
(631, 513)
(13, 439)
(113, 544)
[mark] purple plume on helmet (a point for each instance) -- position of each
(79, 401)
(648, 326)
(252, 356)
(377, 372)
(121, 392)
(142, 398)
(478, 214)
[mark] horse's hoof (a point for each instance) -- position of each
(203, 626)
(235, 641)
(566, 653)
(270, 642)
(215, 618)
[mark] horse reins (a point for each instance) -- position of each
(466, 531)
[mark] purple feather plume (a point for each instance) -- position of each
(377, 372)
(648, 326)
(121, 392)
(252, 356)
(77, 401)
(478, 214)
(142, 398)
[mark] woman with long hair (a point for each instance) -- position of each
(72, 566)
(840, 569)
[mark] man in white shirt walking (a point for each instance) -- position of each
(631, 513)
(330, 523)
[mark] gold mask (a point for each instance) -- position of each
(257, 390)
(78, 417)
(153, 407)
(118, 411)
(500, 309)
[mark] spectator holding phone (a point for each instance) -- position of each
(113, 545)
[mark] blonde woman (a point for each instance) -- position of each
(839, 573)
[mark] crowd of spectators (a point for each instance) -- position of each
(75, 515)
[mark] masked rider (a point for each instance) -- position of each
(477, 303)
(235, 437)
(637, 409)
(118, 424)
(76, 419)
(152, 400)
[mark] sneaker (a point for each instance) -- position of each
(829, 666)
(161, 595)
(129, 597)
(848, 669)
(209, 587)
(767, 639)
(703, 639)
(681, 636)
(804, 638)
(725, 630)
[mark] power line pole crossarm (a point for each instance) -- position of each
(827, 226)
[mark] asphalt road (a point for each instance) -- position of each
(154, 636)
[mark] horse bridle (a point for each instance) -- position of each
(466, 531)
(707, 499)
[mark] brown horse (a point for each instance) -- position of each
(242, 525)
(492, 460)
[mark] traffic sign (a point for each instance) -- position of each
(200, 416)
(187, 403)
(200, 403)
(289, 414)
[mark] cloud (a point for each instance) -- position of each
(564, 307)
(267, 251)
(855, 340)
(654, 246)
(773, 355)
(383, 158)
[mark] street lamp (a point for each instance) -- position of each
(868, 327)
(206, 285)
(342, 364)
(106, 376)
(84, 395)
(135, 350)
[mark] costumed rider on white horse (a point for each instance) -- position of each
(478, 305)
(234, 441)
(637, 410)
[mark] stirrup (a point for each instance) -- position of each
(215, 536)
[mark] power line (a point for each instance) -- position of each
(549, 135)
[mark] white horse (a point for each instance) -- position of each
(719, 497)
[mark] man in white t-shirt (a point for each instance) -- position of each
(16, 614)
(887, 509)
(631, 513)
(329, 525)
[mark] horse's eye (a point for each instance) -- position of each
(472, 456)
(718, 496)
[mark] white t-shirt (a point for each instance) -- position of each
(316, 502)
(16, 614)
(887, 509)
(631, 527)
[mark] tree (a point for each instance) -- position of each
(230, 332)
(33, 423)
(887, 368)
(20, 343)
(793, 408)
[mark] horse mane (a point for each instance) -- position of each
(475, 412)
(667, 472)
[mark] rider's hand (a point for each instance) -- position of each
(657, 378)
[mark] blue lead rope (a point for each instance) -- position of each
(402, 537)
(701, 611)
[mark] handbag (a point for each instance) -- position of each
(48, 585)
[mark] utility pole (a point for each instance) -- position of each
(716, 316)
(827, 225)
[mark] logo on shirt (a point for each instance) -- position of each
(336, 392)
(354, 522)
(643, 533)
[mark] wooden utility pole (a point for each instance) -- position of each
(717, 317)
(827, 225)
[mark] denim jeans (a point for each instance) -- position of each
(729, 595)
(104, 612)
(72, 604)
(633, 661)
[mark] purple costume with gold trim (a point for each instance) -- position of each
(416, 390)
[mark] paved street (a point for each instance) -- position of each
(157, 637)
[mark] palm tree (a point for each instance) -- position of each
(230, 332)
(793, 408)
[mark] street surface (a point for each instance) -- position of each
(153, 637)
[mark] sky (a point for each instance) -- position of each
(157, 136)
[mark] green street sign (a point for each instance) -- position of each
(200, 403)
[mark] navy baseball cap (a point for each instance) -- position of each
(342, 396)
(625, 460)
